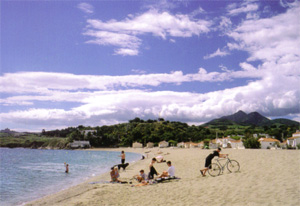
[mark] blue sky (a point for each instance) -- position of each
(94, 63)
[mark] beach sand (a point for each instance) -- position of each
(266, 177)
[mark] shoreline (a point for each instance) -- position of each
(266, 177)
(103, 176)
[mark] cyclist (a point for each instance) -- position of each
(209, 158)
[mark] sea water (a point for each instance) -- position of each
(28, 174)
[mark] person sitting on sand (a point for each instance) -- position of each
(114, 174)
(209, 158)
(141, 176)
(160, 159)
(170, 172)
(152, 169)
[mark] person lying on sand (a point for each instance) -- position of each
(160, 159)
(209, 158)
(170, 172)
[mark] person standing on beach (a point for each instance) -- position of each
(209, 158)
(122, 157)
(67, 168)
(152, 169)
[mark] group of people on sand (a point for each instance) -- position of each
(144, 179)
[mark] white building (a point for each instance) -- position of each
(266, 143)
(163, 144)
(213, 144)
(190, 145)
(237, 144)
(80, 144)
(229, 142)
(180, 144)
(150, 144)
(137, 145)
(294, 140)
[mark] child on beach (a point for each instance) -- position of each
(209, 158)
(141, 176)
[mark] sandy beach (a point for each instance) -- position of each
(266, 177)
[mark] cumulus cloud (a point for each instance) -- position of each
(273, 86)
(272, 95)
(127, 33)
(273, 39)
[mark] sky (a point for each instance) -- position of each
(66, 63)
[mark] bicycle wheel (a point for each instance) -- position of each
(214, 170)
(233, 166)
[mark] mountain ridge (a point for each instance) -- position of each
(244, 119)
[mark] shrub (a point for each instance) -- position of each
(252, 143)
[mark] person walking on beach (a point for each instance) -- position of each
(122, 157)
(209, 158)
(152, 169)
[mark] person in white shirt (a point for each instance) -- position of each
(170, 172)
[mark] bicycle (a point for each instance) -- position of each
(216, 168)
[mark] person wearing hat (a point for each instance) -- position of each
(209, 158)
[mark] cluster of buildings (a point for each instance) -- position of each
(227, 142)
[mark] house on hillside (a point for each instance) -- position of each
(268, 143)
(80, 144)
(163, 144)
(294, 140)
(150, 145)
(137, 145)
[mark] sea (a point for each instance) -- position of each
(29, 174)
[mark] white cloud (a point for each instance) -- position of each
(86, 8)
(272, 39)
(154, 22)
(216, 53)
(273, 90)
(273, 95)
(126, 52)
(233, 10)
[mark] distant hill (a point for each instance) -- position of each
(8, 131)
(253, 118)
